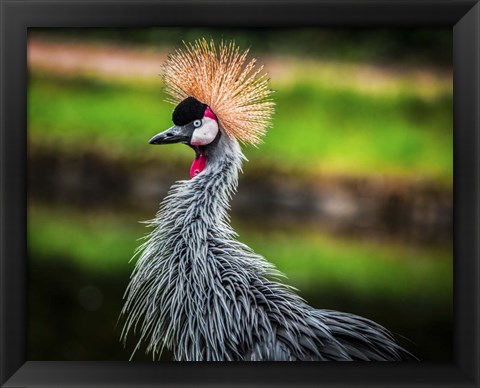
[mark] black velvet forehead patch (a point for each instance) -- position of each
(188, 110)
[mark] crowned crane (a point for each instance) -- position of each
(195, 288)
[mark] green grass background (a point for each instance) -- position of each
(316, 128)
(328, 123)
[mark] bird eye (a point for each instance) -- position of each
(197, 123)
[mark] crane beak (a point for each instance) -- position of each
(175, 134)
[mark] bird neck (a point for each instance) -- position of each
(207, 195)
(198, 207)
(203, 201)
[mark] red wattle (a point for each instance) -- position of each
(198, 165)
(208, 113)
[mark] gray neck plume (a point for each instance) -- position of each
(199, 292)
(183, 277)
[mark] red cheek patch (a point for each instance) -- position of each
(198, 165)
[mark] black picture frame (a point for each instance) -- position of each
(17, 15)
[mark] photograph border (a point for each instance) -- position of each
(16, 16)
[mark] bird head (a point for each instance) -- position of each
(195, 125)
(217, 92)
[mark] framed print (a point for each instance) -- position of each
(354, 131)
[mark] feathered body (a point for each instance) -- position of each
(200, 292)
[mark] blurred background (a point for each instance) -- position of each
(350, 195)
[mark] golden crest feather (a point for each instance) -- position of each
(222, 78)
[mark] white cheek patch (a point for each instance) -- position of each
(206, 133)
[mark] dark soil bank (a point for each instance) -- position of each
(414, 211)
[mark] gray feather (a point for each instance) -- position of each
(198, 291)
